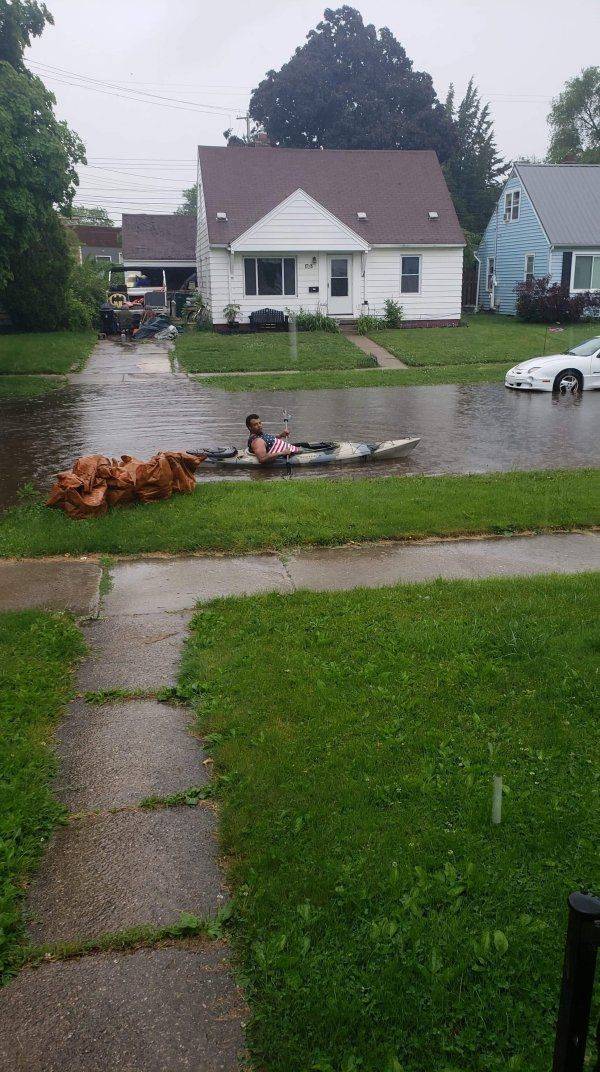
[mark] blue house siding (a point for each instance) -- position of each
(510, 242)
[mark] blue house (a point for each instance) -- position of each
(546, 222)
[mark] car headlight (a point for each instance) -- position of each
(534, 368)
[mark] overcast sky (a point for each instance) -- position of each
(205, 57)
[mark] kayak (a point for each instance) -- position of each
(314, 454)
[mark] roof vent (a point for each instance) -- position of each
(221, 215)
(433, 215)
(361, 215)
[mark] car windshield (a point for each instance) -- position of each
(585, 349)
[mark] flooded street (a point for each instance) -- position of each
(464, 429)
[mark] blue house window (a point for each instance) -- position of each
(529, 267)
(512, 202)
(587, 272)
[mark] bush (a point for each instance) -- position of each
(36, 297)
(544, 303)
(393, 314)
(367, 324)
(367, 361)
(318, 321)
(88, 283)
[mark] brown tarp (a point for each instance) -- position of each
(95, 482)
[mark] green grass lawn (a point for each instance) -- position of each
(37, 652)
(58, 351)
(320, 381)
(26, 387)
(487, 338)
(207, 351)
(382, 923)
(239, 517)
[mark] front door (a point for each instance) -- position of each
(339, 288)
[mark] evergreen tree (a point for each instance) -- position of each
(474, 168)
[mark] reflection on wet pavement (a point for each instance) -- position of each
(473, 428)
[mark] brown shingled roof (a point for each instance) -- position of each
(396, 188)
(159, 238)
(107, 237)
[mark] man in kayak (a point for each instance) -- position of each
(267, 447)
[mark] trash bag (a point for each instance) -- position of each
(150, 328)
(95, 482)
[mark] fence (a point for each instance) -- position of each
(469, 287)
(581, 948)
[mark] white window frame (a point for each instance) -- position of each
(103, 257)
(512, 201)
(594, 254)
(256, 257)
(525, 272)
(413, 256)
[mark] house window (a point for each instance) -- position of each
(269, 275)
(529, 267)
(587, 272)
(409, 283)
(512, 202)
(103, 257)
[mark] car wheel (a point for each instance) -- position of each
(569, 380)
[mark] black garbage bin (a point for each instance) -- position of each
(108, 320)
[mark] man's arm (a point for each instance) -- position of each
(259, 448)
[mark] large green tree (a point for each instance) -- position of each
(575, 120)
(91, 215)
(189, 206)
(474, 167)
(351, 87)
(38, 154)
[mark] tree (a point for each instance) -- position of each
(351, 87)
(20, 20)
(575, 120)
(38, 154)
(36, 297)
(93, 217)
(190, 202)
(474, 167)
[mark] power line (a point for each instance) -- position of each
(108, 87)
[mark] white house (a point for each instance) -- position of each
(339, 230)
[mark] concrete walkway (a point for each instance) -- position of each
(115, 361)
(163, 588)
(368, 346)
(115, 865)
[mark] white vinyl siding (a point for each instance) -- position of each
(439, 296)
(297, 224)
(440, 290)
(203, 253)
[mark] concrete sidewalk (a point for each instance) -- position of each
(165, 590)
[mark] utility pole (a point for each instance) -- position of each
(247, 119)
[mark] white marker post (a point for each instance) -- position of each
(497, 800)
(293, 338)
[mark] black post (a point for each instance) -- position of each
(583, 939)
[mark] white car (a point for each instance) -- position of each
(577, 370)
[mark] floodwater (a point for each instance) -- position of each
(464, 429)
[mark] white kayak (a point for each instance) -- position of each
(315, 454)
